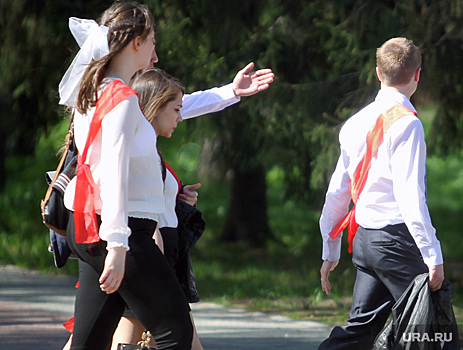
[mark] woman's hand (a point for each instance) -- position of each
(114, 268)
(189, 195)
(247, 83)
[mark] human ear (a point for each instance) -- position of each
(417, 74)
(378, 73)
(137, 42)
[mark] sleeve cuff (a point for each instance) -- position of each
(432, 255)
(119, 238)
(228, 93)
(332, 249)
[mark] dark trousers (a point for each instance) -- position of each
(387, 261)
(170, 241)
(149, 288)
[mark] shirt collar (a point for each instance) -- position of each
(385, 95)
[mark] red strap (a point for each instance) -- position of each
(359, 178)
(86, 227)
(175, 175)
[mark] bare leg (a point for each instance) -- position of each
(68, 344)
(128, 331)
(196, 345)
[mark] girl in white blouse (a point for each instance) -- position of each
(122, 266)
(165, 105)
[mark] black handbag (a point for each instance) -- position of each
(142, 345)
(54, 214)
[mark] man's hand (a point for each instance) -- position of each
(436, 277)
(114, 268)
(247, 83)
(325, 270)
(189, 195)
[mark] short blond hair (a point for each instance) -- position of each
(398, 60)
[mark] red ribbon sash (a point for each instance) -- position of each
(359, 178)
(86, 227)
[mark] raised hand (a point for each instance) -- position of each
(247, 83)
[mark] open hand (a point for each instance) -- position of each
(247, 83)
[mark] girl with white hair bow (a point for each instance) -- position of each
(93, 39)
(117, 194)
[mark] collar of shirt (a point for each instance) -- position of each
(388, 94)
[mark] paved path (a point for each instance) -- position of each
(33, 307)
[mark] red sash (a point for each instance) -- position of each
(359, 178)
(86, 227)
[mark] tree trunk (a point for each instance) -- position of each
(247, 217)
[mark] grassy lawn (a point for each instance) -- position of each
(277, 283)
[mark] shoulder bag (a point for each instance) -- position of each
(54, 214)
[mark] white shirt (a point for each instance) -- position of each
(125, 164)
(208, 101)
(194, 105)
(395, 191)
(169, 217)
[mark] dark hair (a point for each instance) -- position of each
(125, 22)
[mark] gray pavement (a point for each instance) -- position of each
(33, 307)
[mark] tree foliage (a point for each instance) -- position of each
(35, 49)
(322, 53)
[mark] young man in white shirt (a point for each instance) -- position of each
(395, 240)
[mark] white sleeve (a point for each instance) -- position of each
(408, 167)
(117, 135)
(208, 101)
(336, 206)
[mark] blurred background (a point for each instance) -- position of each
(264, 163)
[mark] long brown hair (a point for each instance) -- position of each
(155, 89)
(125, 22)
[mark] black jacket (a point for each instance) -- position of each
(190, 228)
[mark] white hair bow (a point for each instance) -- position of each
(93, 42)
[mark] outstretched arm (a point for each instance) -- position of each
(247, 83)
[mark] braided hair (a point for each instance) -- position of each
(125, 22)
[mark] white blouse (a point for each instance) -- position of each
(395, 191)
(194, 105)
(126, 169)
(169, 218)
(125, 163)
(208, 101)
